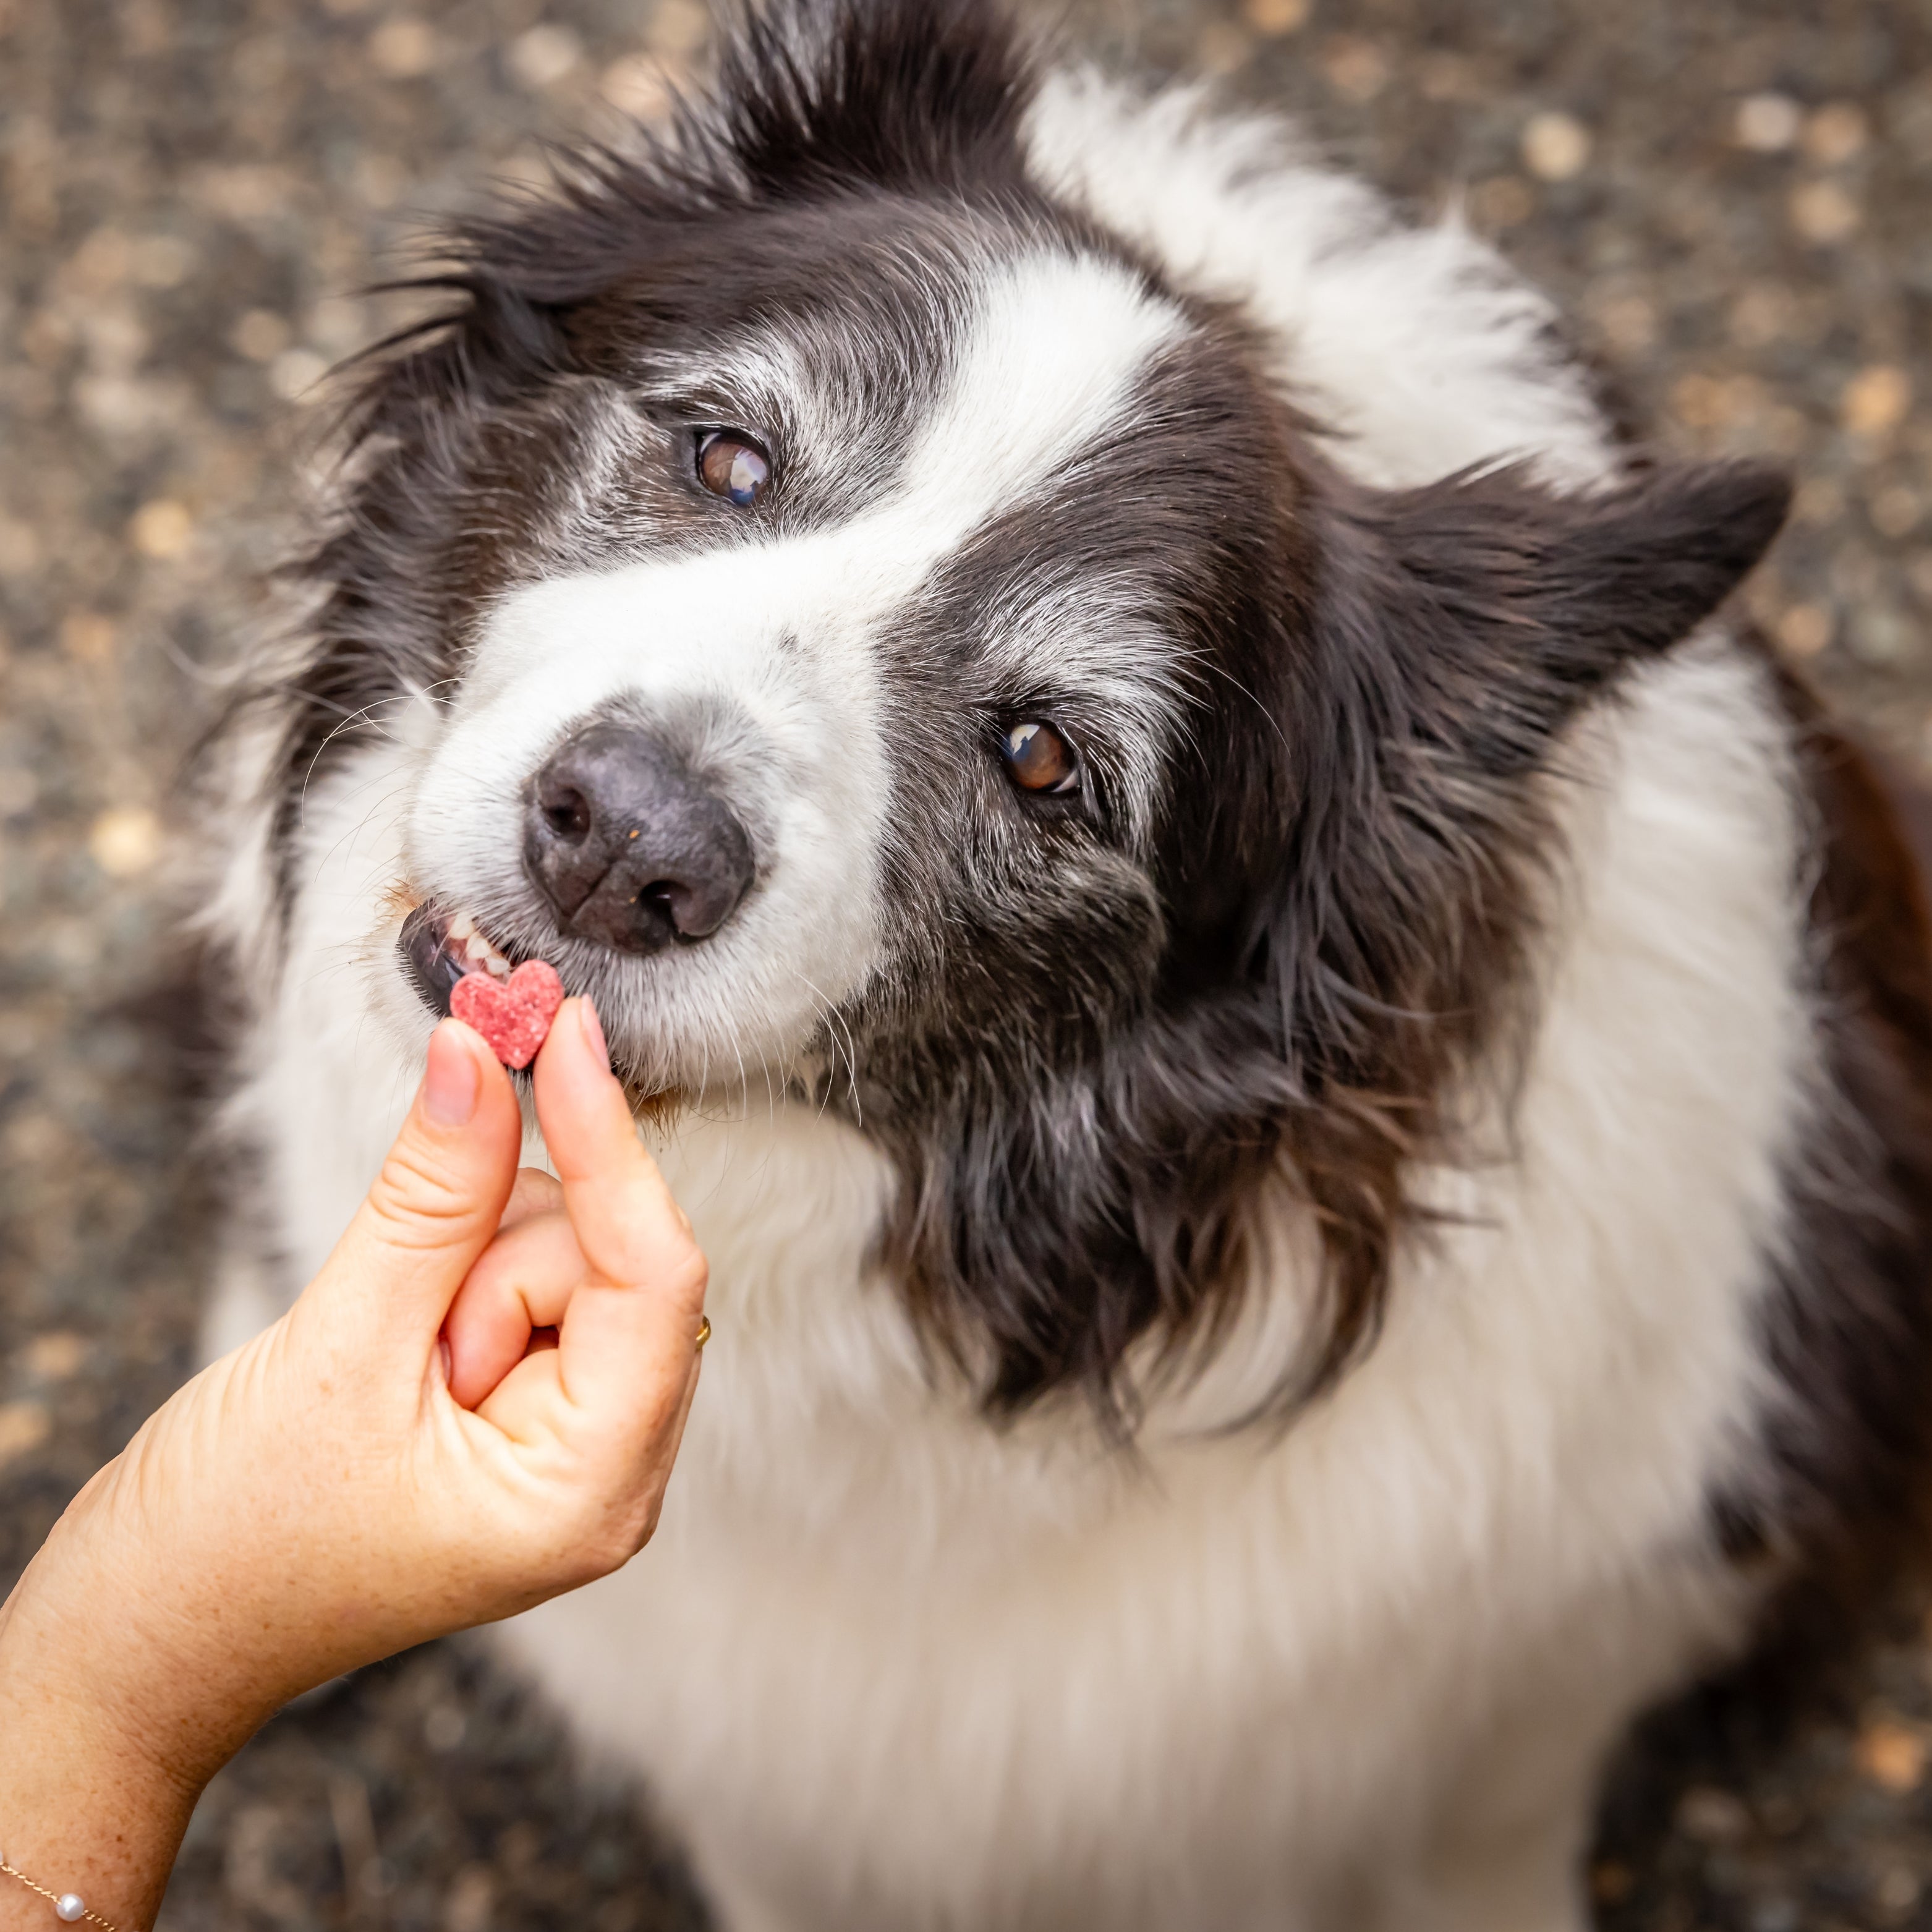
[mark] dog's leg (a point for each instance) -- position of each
(1504, 1850)
(736, 1906)
(1529, 1881)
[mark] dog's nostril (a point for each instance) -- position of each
(568, 813)
(628, 848)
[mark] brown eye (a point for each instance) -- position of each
(732, 466)
(1039, 759)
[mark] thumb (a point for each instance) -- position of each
(440, 1195)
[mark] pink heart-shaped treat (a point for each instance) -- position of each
(513, 1015)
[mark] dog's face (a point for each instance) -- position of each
(886, 637)
(848, 603)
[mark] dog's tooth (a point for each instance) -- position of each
(462, 926)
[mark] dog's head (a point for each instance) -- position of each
(888, 639)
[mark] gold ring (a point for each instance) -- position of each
(703, 1330)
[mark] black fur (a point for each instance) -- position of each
(1332, 925)
(1090, 1053)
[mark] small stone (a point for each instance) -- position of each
(1761, 315)
(125, 842)
(1822, 212)
(541, 57)
(1896, 511)
(88, 637)
(1271, 19)
(296, 372)
(1805, 630)
(639, 85)
(1700, 401)
(1223, 47)
(1357, 70)
(444, 1728)
(161, 528)
(403, 49)
(161, 261)
(24, 1426)
(470, 1901)
(1820, 501)
(1836, 133)
(679, 28)
(1896, 1892)
(1503, 201)
(54, 1357)
(1875, 401)
(1629, 323)
(1768, 123)
(1555, 147)
(260, 335)
(1890, 1755)
(19, 548)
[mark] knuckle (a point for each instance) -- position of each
(413, 1191)
(689, 1274)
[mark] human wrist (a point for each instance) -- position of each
(88, 1806)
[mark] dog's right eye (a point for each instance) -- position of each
(731, 465)
(1040, 760)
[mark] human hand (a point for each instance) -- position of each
(321, 1497)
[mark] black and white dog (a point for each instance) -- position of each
(1305, 1076)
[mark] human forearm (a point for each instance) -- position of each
(87, 1805)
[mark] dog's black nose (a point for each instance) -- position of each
(628, 849)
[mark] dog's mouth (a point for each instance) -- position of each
(439, 947)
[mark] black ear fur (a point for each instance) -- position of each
(1500, 608)
(1455, 631)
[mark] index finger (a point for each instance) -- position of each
(631, 1229)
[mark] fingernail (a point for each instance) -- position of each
(593, 1031)
(451, 1084)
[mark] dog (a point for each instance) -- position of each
(1304, 1068)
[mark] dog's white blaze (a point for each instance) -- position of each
(786, 634)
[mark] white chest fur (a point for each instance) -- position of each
(989, 1679)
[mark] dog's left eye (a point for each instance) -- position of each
(732, 466)
(1040, 760)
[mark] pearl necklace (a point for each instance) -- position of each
(69, 1906)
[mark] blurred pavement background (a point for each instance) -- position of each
(1732, 200)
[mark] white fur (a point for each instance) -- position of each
(1417, 346)
(886, 1667)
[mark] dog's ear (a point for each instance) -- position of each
(1495, 608)
(1452, 634)
(1449, 636)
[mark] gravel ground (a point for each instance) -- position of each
(1729, 196)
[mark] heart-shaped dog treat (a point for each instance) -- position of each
(513, 1015)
